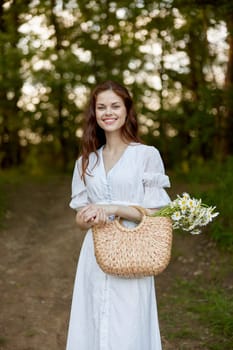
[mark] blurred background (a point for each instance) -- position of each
(176, 59)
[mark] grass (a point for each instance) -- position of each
(212, 182)
(3, 200)
(198, 313)
(3, 341)
(18, 176)
(12, 177)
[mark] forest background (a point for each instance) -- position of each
(175, 57)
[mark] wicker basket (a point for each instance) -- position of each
(144, 250)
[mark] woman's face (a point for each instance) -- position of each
(110, 111)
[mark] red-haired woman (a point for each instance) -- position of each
(114, 171)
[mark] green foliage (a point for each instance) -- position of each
(12, 176)
(212, 181)
(2, 202)
(159, 49)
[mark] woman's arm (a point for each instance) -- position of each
(96, 213)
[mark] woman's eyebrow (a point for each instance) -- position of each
(103, 104)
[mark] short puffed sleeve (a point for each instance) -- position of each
(154, 180)
(79, 197)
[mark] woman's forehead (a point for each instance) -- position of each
(108, 96)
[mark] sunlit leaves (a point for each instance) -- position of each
(171, 54)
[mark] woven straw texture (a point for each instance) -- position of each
(144, 250)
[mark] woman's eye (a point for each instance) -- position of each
(100, 108)
(116, 107)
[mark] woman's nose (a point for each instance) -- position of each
(108, 111)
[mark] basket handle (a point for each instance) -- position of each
(140, 209)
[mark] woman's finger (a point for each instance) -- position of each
(85, 209)
(101, 216)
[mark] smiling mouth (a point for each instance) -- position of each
(109, 120)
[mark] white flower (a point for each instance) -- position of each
(188, 214)
(176, 216)
(186, 195)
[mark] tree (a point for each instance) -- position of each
(159, 49)
(11, 82)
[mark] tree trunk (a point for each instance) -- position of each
(59, 90)
(12, 83)
(226, 123)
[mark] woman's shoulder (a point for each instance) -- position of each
(92, 155)
(92, 158)
(143, 148)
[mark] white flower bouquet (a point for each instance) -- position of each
(188, 214)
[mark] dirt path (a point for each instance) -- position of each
(39, 251)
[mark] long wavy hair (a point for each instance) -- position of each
(93, 135)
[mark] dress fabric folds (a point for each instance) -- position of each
(107, 312)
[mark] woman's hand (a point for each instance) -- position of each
(93, 214)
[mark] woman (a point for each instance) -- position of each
(114, 172)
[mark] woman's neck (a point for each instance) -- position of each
(114, 142)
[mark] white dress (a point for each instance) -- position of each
(112, 313)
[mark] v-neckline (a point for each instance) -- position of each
(115, 164)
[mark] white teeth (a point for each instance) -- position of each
(109, 119)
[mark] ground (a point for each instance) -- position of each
(39, 250)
